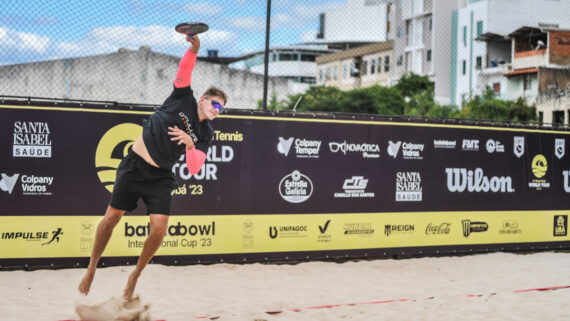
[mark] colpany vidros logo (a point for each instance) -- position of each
(112, 148)
(7, 183)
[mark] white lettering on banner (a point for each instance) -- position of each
(566, 175)
(471, 144)
(304, 148)
(367, 150)
(31, 139)
(408, 187)
(445, 144)
(459, 179)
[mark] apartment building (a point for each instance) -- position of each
(355, 68)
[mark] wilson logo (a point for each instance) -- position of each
(461, 179)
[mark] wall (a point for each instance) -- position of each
(140, 77)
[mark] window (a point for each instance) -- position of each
(372, 66)
(478, 62)
(428, 55)
(379, 65)
(364, 67)
(558, 117)
(497, 88)
(287, 57)
(354, 69)
(430, 23)
(400, 31)
(335, 72)
(527, 82)
(464, 67)
(344, 71)
(328, 74)
(386, 63)
(307, 58)
(465, 36)
(320, 75)
(479, 28)
(540, 117)
(400, 60)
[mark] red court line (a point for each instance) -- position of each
(330, 306)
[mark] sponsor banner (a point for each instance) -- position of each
(73, 236)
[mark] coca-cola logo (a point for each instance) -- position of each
(438, 229)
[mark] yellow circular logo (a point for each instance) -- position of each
(539, 166)
(113, 146)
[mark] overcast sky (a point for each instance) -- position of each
(34, 30)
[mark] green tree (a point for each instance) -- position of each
(273, 103)
(488, 106)
(318, 98)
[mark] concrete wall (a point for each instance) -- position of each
(140, 77)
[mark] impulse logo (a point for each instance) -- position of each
(461, 179)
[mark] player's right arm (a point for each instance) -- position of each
(187, 63)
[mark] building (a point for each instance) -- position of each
(359, 23)
(540, 71)
(481, 47)
(358, 67)
(131, 76)
(421, 36)
(295, 64)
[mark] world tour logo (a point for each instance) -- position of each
(539, 169)
(112, 148)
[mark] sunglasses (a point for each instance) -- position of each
(217, 105)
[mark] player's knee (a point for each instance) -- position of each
(113, 215)
(158, 225)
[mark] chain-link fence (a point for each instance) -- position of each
(128, 51)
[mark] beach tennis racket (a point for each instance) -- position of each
(191, 28)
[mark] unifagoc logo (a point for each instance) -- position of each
(112, 148)
(284, 145)
(7, 183)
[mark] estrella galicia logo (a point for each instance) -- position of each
(323, 229)
(473, 227)
(284, 145)
(559, 147)
(295, 187)
(112, 148)
(7, 183)
(560, 225)
(273, 232)
(518, 146)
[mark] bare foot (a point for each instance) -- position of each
(130, 287)
(85, 284)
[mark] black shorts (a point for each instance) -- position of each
(138, 179)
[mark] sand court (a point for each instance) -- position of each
(476, 287)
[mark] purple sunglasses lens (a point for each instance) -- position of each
(217, 105)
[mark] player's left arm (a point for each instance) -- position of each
(195, 156)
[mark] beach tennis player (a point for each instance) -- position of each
(180, 126)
